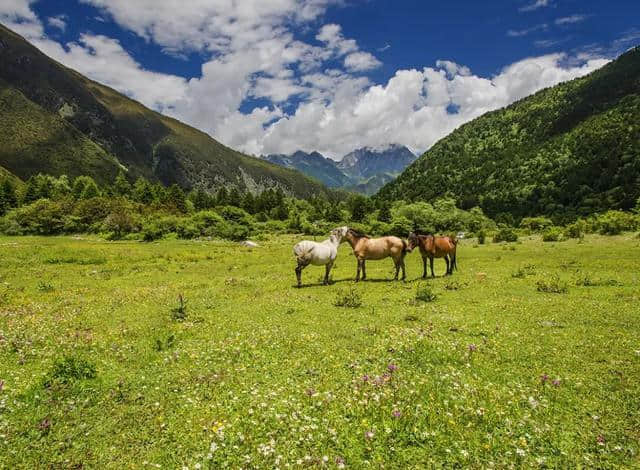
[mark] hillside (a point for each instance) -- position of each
(570, 149)
(57, 121)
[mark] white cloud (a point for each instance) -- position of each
(361, 61)
(58, 22)
(571, 19)
(523, 32)
(535, 5)
(338, 111)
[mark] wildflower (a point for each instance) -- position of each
(392, 368)
(396, 413)
(544, 378)
(310, 392)
(369, 434)
(365, 378)
(600, 439)
(556, 382)
(473, 348)
(340, 462)
(44, 425)
(520, 452)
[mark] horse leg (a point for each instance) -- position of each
(327, 270)
(404, 273)
(446, 260)
(364, 271)
(397, 265)
(299, 269)
(424, 267)
(358, 270)
(431, 266)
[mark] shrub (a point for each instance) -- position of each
(524, 271)
(481, 237)
(43, 217)
(69, 369)
(576, 229)
(552, 234)
(349, 298)
(179, 313)
(552, 285)
(615, 222)
(505, 234)
(425, 293)
(536, 224)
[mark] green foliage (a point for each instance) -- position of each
(43, 217)
(552, 285)
(69, 369)
(425, 293)
(616, 222)
(505, 234)
(349, 298)
(552, 234)
(536, 224)
(573, 148)
(481, 235)
(576, 229)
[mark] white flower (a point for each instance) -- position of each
(520, 452)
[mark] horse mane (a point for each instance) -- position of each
(357, 234)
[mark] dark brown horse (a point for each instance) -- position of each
(435, 247)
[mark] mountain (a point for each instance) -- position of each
(364, 170)
(366, 162)
(56, 121)
(572, 149)
(312, 164)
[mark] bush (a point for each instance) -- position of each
(552, 234)
(576, 229)
(536, 224)
(552, 285)
(481, 237)
(425, 293)
(69, 369)
(43, 217)
(505, 234)
(615, 222)
(349, 298)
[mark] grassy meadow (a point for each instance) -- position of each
(529, 356)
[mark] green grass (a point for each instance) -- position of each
(100, 372)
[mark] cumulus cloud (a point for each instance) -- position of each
(361, 61)
(337, 107)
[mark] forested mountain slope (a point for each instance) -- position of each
(570, 149)
(56, 121)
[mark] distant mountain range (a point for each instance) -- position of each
(54, 120)
(364, 170)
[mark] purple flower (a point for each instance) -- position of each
(544, 378)
(369, 435)
(392, 368)
(44, 425)
(600, 439)
(365, 378)
(396, 413)
(556, 382)
(473, 348)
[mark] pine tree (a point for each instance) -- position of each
(222, 198)
(90, 189)
(142, 192)
(176, 198)
(234, 197)
(30, 193)
(121, 187)
(249, 203)
(384, 214)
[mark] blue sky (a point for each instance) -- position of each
(268, 76)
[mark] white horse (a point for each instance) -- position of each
(318, 254)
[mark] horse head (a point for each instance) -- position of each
(413, 241)
(339, 233)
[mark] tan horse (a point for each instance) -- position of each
(365, 248)
(435, 247)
